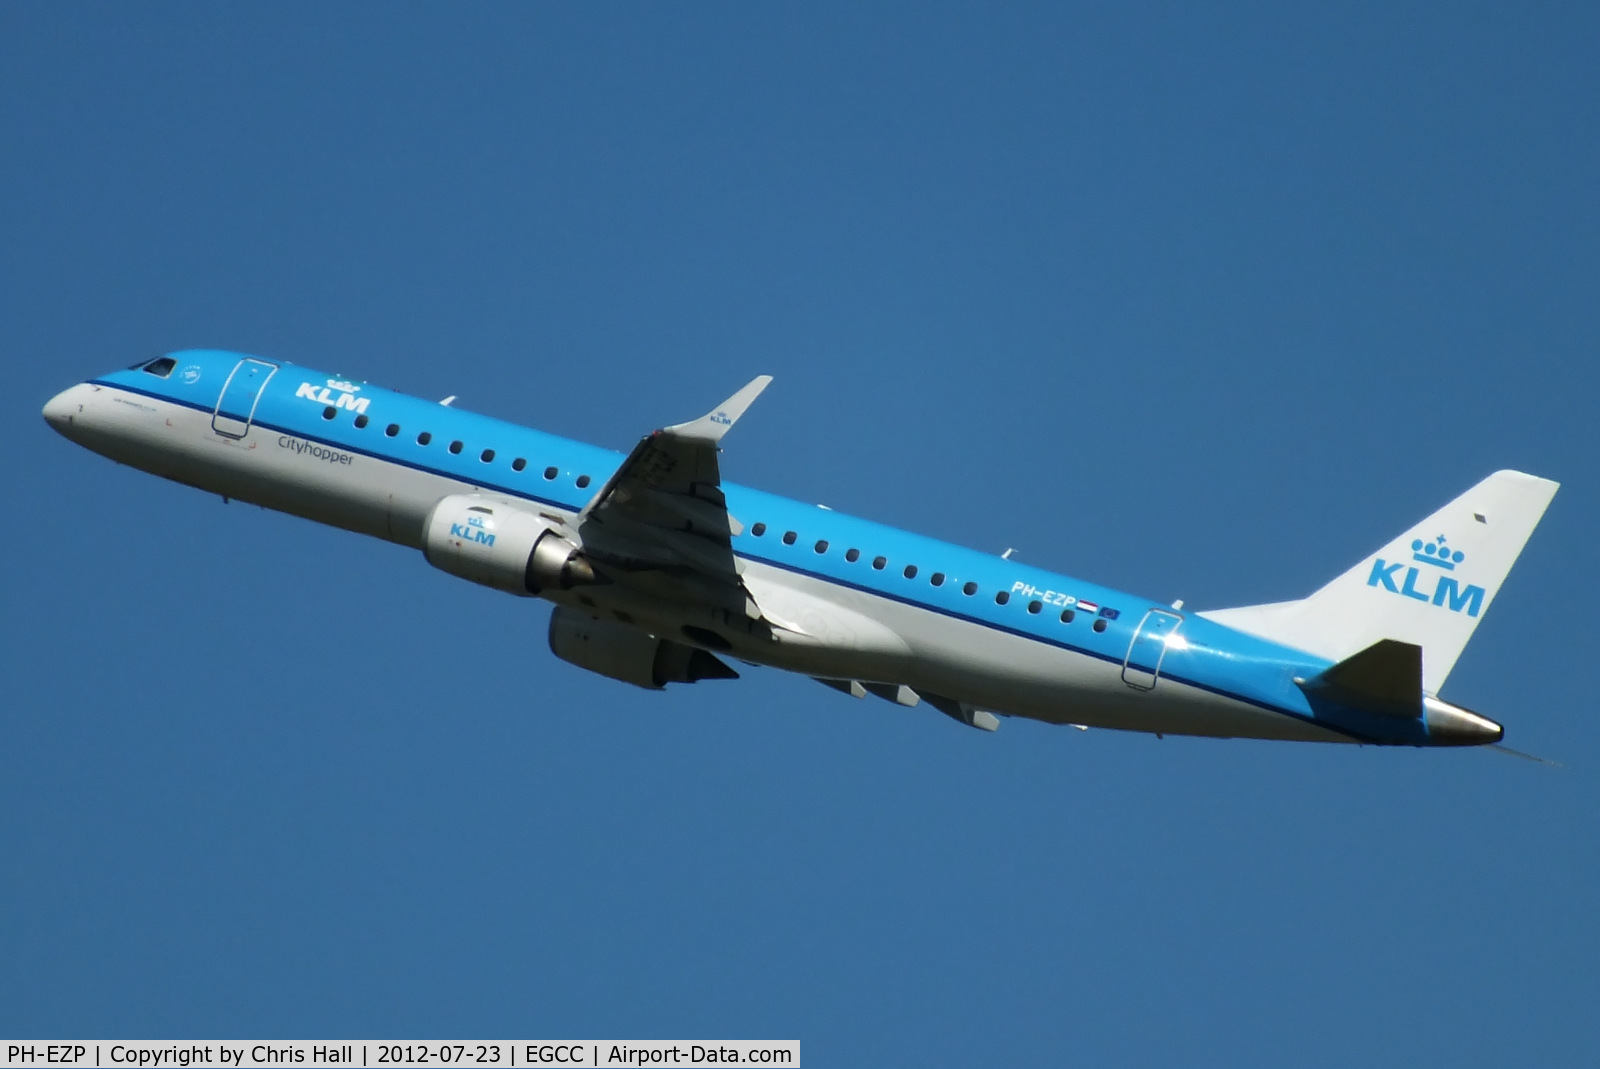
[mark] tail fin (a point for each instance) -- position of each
(1428, 587)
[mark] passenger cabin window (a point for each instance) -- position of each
(329, 412)
(487, 456)
(583, 480)
(424, 438)
(1002, 597)
(1100, 625)
(550, 473)
(969, 589)
(938, 579)
(821, 546)
(361, 421)
(759, 529)
(1035, 606)
(391, 430)
(852, 555)
(788, 538)
(879, 562)
(911, 571)
(455, 447)
(518, 464)
(160, 368)
(1067, 616)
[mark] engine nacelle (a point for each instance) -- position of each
(626, 653)
(501, 546)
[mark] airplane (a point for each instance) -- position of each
(660, 572)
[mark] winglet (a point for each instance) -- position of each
(714, 424)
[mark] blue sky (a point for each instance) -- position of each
(1195, 304)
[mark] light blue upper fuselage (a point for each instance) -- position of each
(1009, 596)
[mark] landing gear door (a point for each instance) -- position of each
(1142, 667)
(236, 405)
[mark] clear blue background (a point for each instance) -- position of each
(1200, 305)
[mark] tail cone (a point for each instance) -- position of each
(1451, 725)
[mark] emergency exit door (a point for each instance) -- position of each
(1142, 667)
(236, 405)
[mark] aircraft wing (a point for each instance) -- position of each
(660, 524)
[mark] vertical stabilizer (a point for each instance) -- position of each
(1429, 587)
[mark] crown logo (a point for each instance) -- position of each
(1436, 553)
(340, 384)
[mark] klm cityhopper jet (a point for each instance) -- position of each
(660, 572)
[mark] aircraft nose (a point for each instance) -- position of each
(62, 410)
(58, 410)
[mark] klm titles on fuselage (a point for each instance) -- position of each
(1446, 591)
(337, 392)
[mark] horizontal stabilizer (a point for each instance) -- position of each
(1385, 678)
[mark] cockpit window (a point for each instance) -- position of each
(161, 368)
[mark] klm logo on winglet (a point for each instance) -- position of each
(1446, 591)
(337, 392)
(475, 530)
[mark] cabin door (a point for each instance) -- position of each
(236, 406)
(1142, 667)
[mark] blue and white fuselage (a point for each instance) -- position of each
(658, 567)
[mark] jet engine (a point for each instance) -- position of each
(628, 654)
(501, 546)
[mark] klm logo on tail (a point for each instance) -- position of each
(1437, 558)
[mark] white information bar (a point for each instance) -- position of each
(383, 1053)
